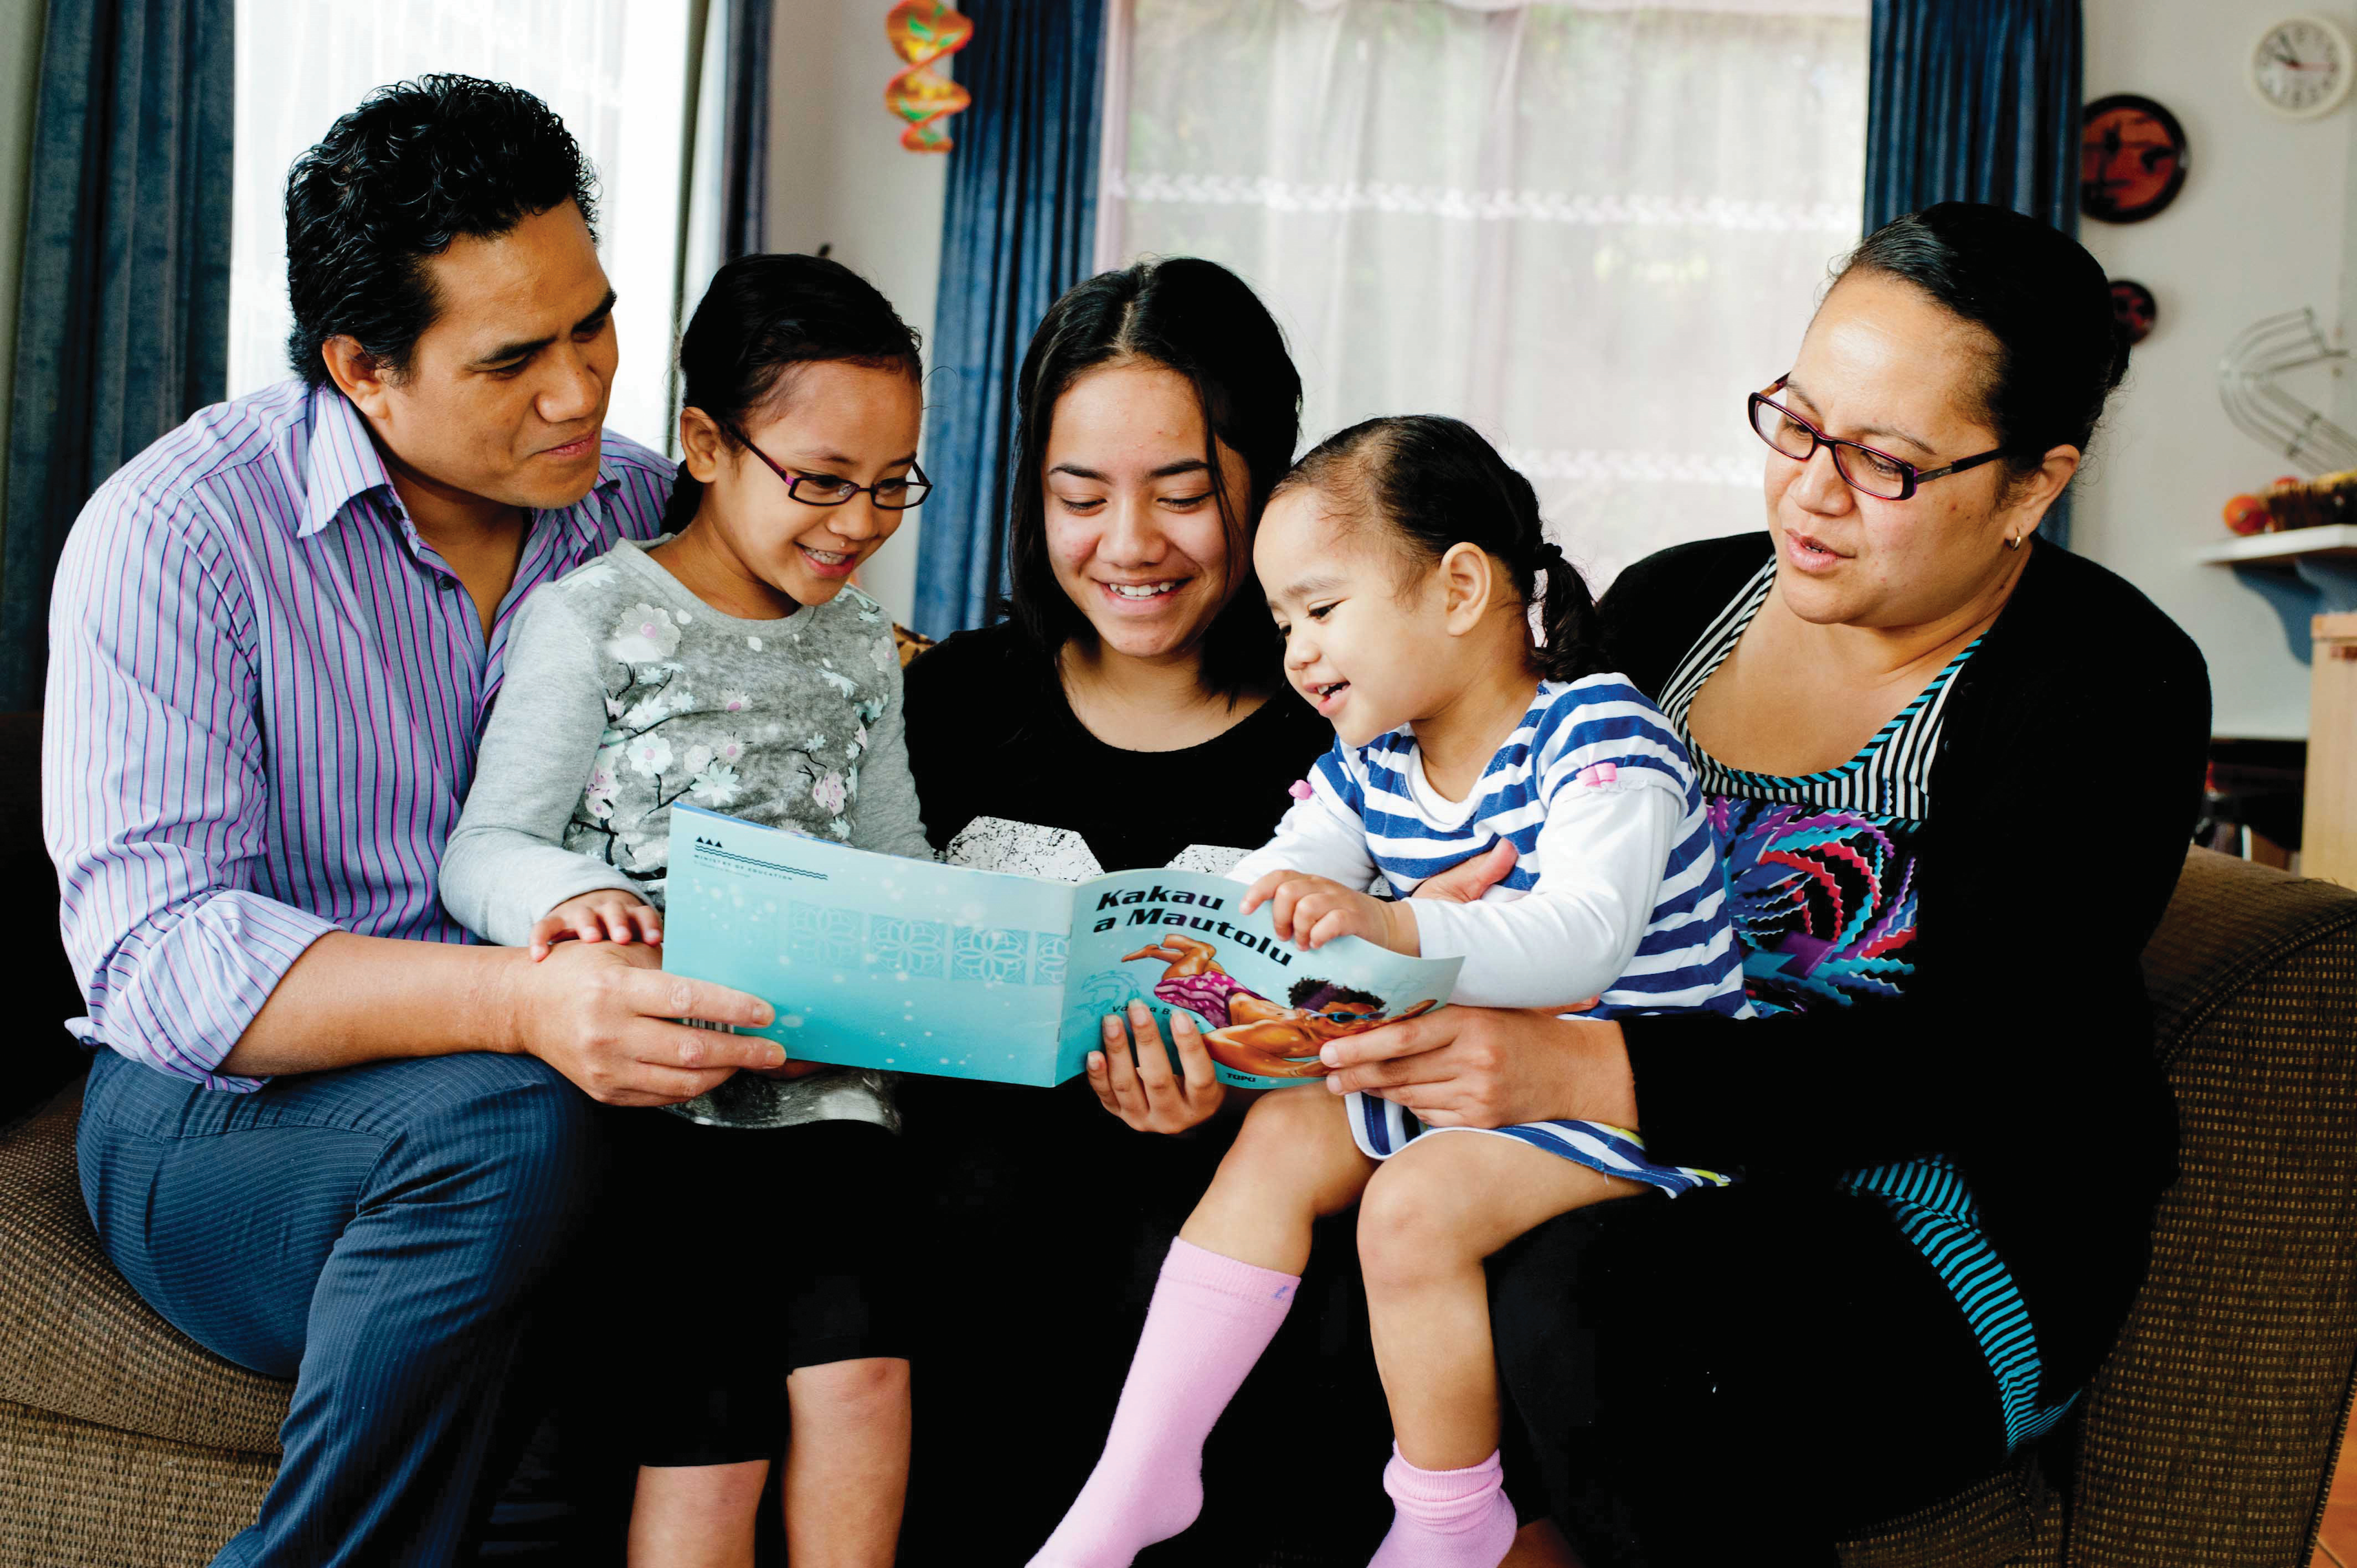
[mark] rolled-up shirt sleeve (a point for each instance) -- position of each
(153, 787)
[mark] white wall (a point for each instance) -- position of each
(838, 175)
(20, 73)
(2261, 227)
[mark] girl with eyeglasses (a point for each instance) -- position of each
(731, 664)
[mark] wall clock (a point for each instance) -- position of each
(2300, 67)
(2132, 159)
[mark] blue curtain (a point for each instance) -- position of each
(122, 327)
(744, 132)
(1976, 100)
(1019, 230)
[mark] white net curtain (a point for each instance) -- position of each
(1587, 229)
(614, 70)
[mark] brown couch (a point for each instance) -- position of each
(2208, 1438)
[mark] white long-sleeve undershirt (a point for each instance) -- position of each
(1600, 854)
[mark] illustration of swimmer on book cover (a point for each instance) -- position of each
(908, 965)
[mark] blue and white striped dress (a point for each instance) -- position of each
(1615, 892)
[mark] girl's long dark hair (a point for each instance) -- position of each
(1199, 319)
(762, 316)
(1434, 483)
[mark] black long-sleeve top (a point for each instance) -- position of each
(2067, 781)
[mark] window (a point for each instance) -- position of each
(616, 70)
(1588, 229)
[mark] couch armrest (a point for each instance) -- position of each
(43, 992)
(2210, 1431)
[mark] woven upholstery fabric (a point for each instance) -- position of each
(77, 1341)
(908, 643)
(2211, 1430)
(2209, 1434)
(2014, 1519)
(75, 1495)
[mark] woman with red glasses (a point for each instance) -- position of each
(1952, 772)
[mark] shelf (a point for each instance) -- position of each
(2333, 539)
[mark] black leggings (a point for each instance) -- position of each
(1741, 1374)
(749, 1253)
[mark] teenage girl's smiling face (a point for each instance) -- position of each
(831, 421)
(1134, 529)
(1367, 647)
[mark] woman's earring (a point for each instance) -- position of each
(2013, 541)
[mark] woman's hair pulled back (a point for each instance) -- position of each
(1201, 322)
(1435, 482)
(762, 318)
(2044, 303)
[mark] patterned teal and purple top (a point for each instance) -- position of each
(1821, 890)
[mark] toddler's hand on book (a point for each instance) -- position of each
(606, 915)
(1313, 911)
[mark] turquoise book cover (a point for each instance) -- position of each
(912, 966)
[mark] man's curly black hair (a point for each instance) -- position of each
(417, 165)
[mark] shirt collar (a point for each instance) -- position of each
(343, 465)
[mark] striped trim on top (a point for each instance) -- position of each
(1891, 774)
(1936, 1212)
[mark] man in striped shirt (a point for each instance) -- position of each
(323, 1134)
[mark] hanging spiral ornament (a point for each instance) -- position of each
(922, 31)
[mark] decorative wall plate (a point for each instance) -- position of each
(2132, 159)
(2133, 307)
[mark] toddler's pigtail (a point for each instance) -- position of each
(1567, 616)
(1567, 609)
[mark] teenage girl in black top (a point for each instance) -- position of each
(1953, 773)
(1131, 713)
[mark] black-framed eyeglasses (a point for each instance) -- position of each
(1877, 473)
(897, 494)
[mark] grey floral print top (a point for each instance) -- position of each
(624, 694)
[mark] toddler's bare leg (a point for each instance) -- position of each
(847, 1469)
(696, 1516)
(1431, 1215)
(1293, 1163)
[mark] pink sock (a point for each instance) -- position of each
(1446, 1519)
(1211, 1319)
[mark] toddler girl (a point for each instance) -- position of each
(1400, 559)
(731, 664)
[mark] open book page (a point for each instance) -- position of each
(879, 962)
(874, 960)
(1176, 938)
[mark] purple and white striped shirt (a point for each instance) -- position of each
(264, 696)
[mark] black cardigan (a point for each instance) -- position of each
(2064, 793)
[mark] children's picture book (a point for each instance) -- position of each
(876, 961)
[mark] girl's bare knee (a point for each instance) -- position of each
(703, 1490)
(871, 1386)
(1412, 1223)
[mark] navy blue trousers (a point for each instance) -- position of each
(375, 1233)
